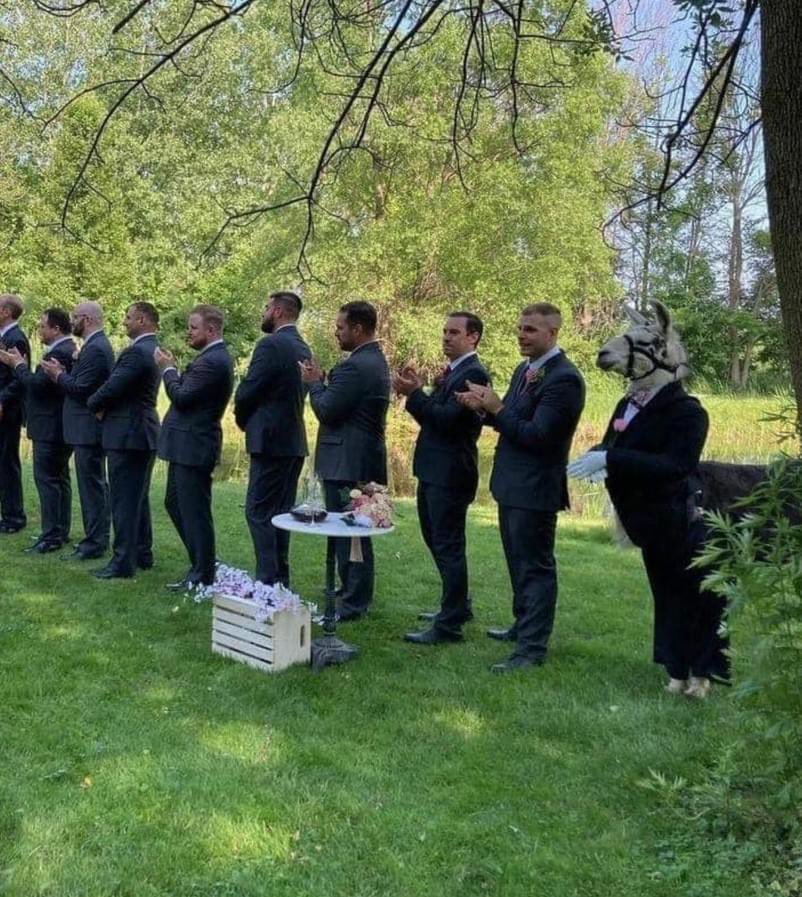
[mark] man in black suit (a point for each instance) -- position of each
(12, 412)
(269, 407)
(446, 465)
(536, 421)
(191, 438)
(44, 404)
(82, 430)
(126, 403)
(352, 409)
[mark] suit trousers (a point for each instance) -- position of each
(188, 500)
(129, 490)
(686, 618)
(93, 489)
(528, 540)
(356, 578)
(11, 506)
(51, 473)
(442, 513)
(272, 483)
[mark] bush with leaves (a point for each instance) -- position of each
(755, 559)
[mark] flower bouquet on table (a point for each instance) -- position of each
(229, 582)
(370, 506)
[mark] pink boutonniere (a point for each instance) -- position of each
(619, 425)
(534, 376)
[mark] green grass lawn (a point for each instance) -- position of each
(135, 762)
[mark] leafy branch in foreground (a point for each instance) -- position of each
(755, 562)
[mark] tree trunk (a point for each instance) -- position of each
(781, 90)
(735, 270)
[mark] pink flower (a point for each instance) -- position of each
(619, 425)
(533, 376)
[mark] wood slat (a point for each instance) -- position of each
(238, 620)
(242, 658)
(243, 647)
(244, 635)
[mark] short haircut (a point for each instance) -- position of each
(147, 310)
(57, 317)
(290, 302)
(362, 313)
(473, 323)
(9, 300)
(211, 316)
(545, 310)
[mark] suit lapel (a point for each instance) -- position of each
(651, 409)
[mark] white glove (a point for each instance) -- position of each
(590, 466)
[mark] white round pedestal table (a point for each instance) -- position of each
(328, 649)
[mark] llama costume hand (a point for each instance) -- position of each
(590, 466)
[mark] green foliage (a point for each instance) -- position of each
(403, 222)
(756, 564)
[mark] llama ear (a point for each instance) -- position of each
(662, 314)
(635, 316)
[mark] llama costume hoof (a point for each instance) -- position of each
(677, 686)
(698, 688)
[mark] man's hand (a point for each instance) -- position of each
(407, 380)
(311, 371)
(52, 367)
(590, 466)
(480, 398)
(11, 357)
(100, 415)
(164, 359)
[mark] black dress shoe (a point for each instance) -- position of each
(503, 635)
(429, 616)
(145, 564)
(44, 546)
(433, 636)
(516, 662)
(8, 526)
(349, 616)
(110, 572)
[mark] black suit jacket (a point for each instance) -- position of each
(652, 466)
(536, 427)
(269, 402)
(44, 400)
(445, 451)
(128, 399)
(89, 372)
(12, 392)
(352, 410)
(191, 433)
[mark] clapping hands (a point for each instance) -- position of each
(163, 358)
(311, 372)
(11, 357)
(407, 380)
(52, 367)
(480, 398)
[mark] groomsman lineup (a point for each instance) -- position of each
(81, 402)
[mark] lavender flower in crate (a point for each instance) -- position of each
(235, 583)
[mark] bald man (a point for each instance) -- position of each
(12, 393)
(82, 429)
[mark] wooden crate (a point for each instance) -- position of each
(269, 645)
